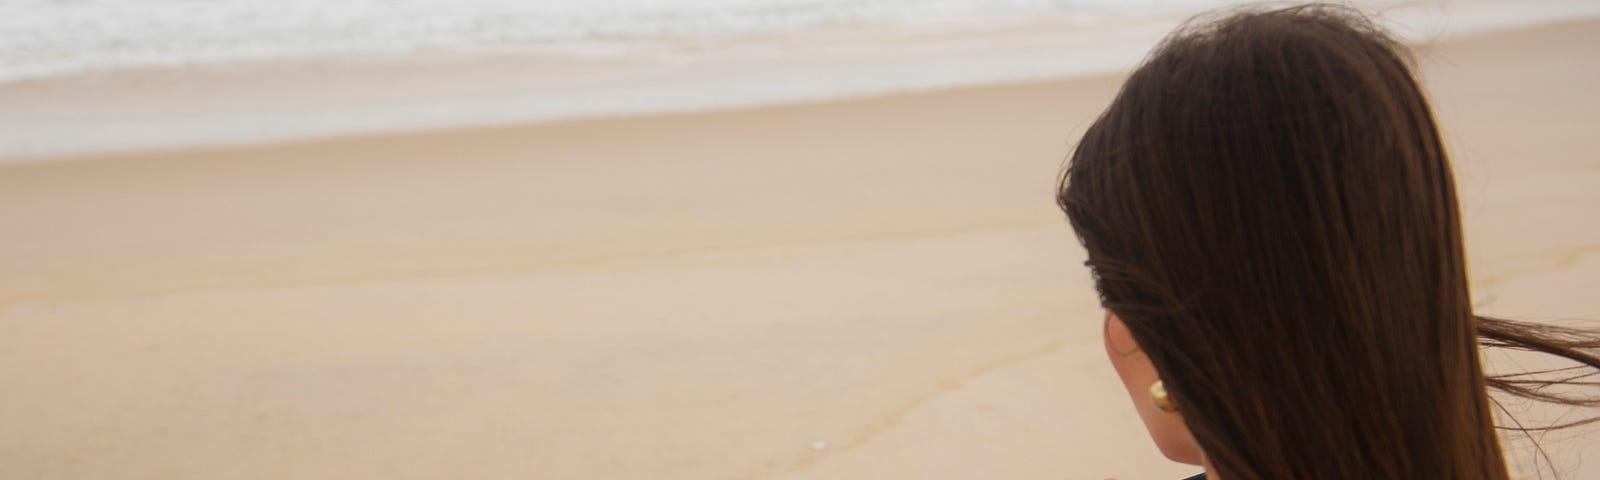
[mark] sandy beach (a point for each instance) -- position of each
(858, 289)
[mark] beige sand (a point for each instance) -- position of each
(862, 289)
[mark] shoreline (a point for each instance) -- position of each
(101, 115)
(286, 101)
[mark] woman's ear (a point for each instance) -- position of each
(1138, 374)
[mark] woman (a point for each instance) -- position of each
(1272, 225)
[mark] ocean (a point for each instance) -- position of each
(63, 37)
(95, 76)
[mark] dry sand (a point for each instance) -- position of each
(877, 288)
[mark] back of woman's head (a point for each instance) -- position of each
(1267, 206)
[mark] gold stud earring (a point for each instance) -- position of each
(1158, 396)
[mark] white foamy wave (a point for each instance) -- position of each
(41, 38)
(297, 69)
(56, 37)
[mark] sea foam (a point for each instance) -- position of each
(95, 76)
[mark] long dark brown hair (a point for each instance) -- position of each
(1268, 207)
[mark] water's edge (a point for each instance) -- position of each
(266, 102)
